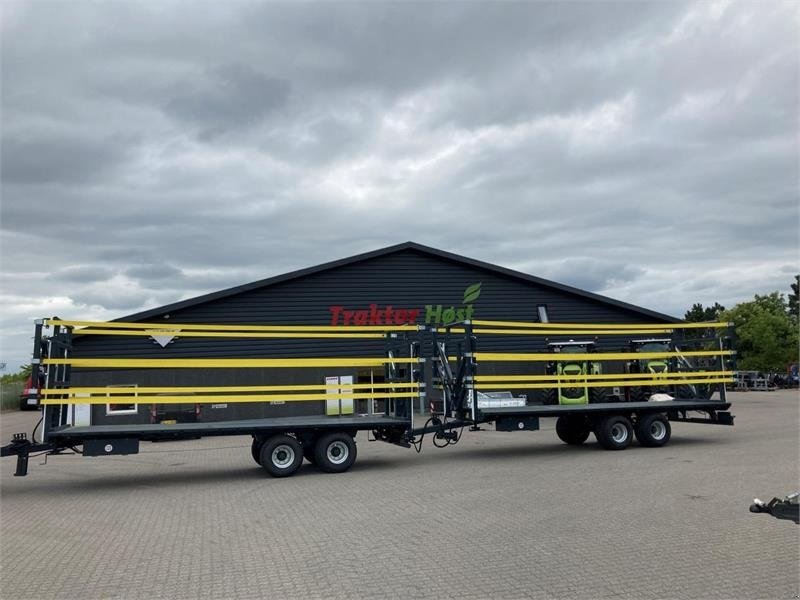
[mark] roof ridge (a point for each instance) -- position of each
(408, 245)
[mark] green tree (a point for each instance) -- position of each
(21, 375)
(794, 307)
(766, 336)
(700, 314)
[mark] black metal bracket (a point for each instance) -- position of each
(780, 508)
(715, 417)
(22, 447)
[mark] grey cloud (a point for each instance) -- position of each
(117, 300)
(227, 97)
(59, 158)
(84, 273)
(626, 148)
(154, 272)
(591, 274)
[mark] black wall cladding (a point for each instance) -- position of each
(405, 279)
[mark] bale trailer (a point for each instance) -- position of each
(465, 380)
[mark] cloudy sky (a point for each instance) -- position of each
(156, 151)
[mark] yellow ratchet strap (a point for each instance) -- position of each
(605, 377)
(166, 326)
(223, 398)
(189, 390)
(556, 357)
(552, 332)
(228, 334)
(223, 363)
(520, 324)
(581, 383)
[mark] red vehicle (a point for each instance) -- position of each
(29, 398)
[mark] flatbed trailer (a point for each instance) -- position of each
(281, 443)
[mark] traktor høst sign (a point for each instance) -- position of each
(434, 314)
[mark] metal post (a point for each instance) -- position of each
(470, 371)
(411, 380)
(723, 394)
(36, 365)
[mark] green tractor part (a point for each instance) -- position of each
(702, 391)
(573, 390)
(655, 367)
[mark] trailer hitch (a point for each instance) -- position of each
(781, 508)
(22, 448)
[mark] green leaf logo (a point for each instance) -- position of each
(471, 293)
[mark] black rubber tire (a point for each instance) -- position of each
(598, 395)
(653, 430)
(550, 397)
(639, 394)
(281, 455)
(308, 453)
(614, 432)
(705, 391)
(255, 450)
(572, 431)
(335, 452)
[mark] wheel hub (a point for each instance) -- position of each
(657, 430)
(338, 452)
(283, 456)
(619, 433)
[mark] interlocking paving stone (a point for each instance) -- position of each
(500, 515)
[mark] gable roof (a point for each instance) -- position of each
(441, 254)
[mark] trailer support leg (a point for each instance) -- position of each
(22, 447)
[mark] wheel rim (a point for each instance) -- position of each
(658, 430)
(283, 456)
(619, 433)
(337, 452)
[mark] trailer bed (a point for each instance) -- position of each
(156, 431)
(488, 414)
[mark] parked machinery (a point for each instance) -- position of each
(573, 373)
(656, 367)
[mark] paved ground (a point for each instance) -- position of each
(501, 515)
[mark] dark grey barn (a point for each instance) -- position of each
(418, 283)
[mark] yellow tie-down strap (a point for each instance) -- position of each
(189, 390)
(577, 383)
(168, 327)
(223, 363)
(553, 332)
(226, 398)
(607, 326)
(231, 334)
(592, 356)
(604, 377)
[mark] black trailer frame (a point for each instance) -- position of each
(281, 443)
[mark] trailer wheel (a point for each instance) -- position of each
(255, 450)
(614, 432)
(571, 430)
(309, 453)
(653, 430)
(335, 452)
(281, 455)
